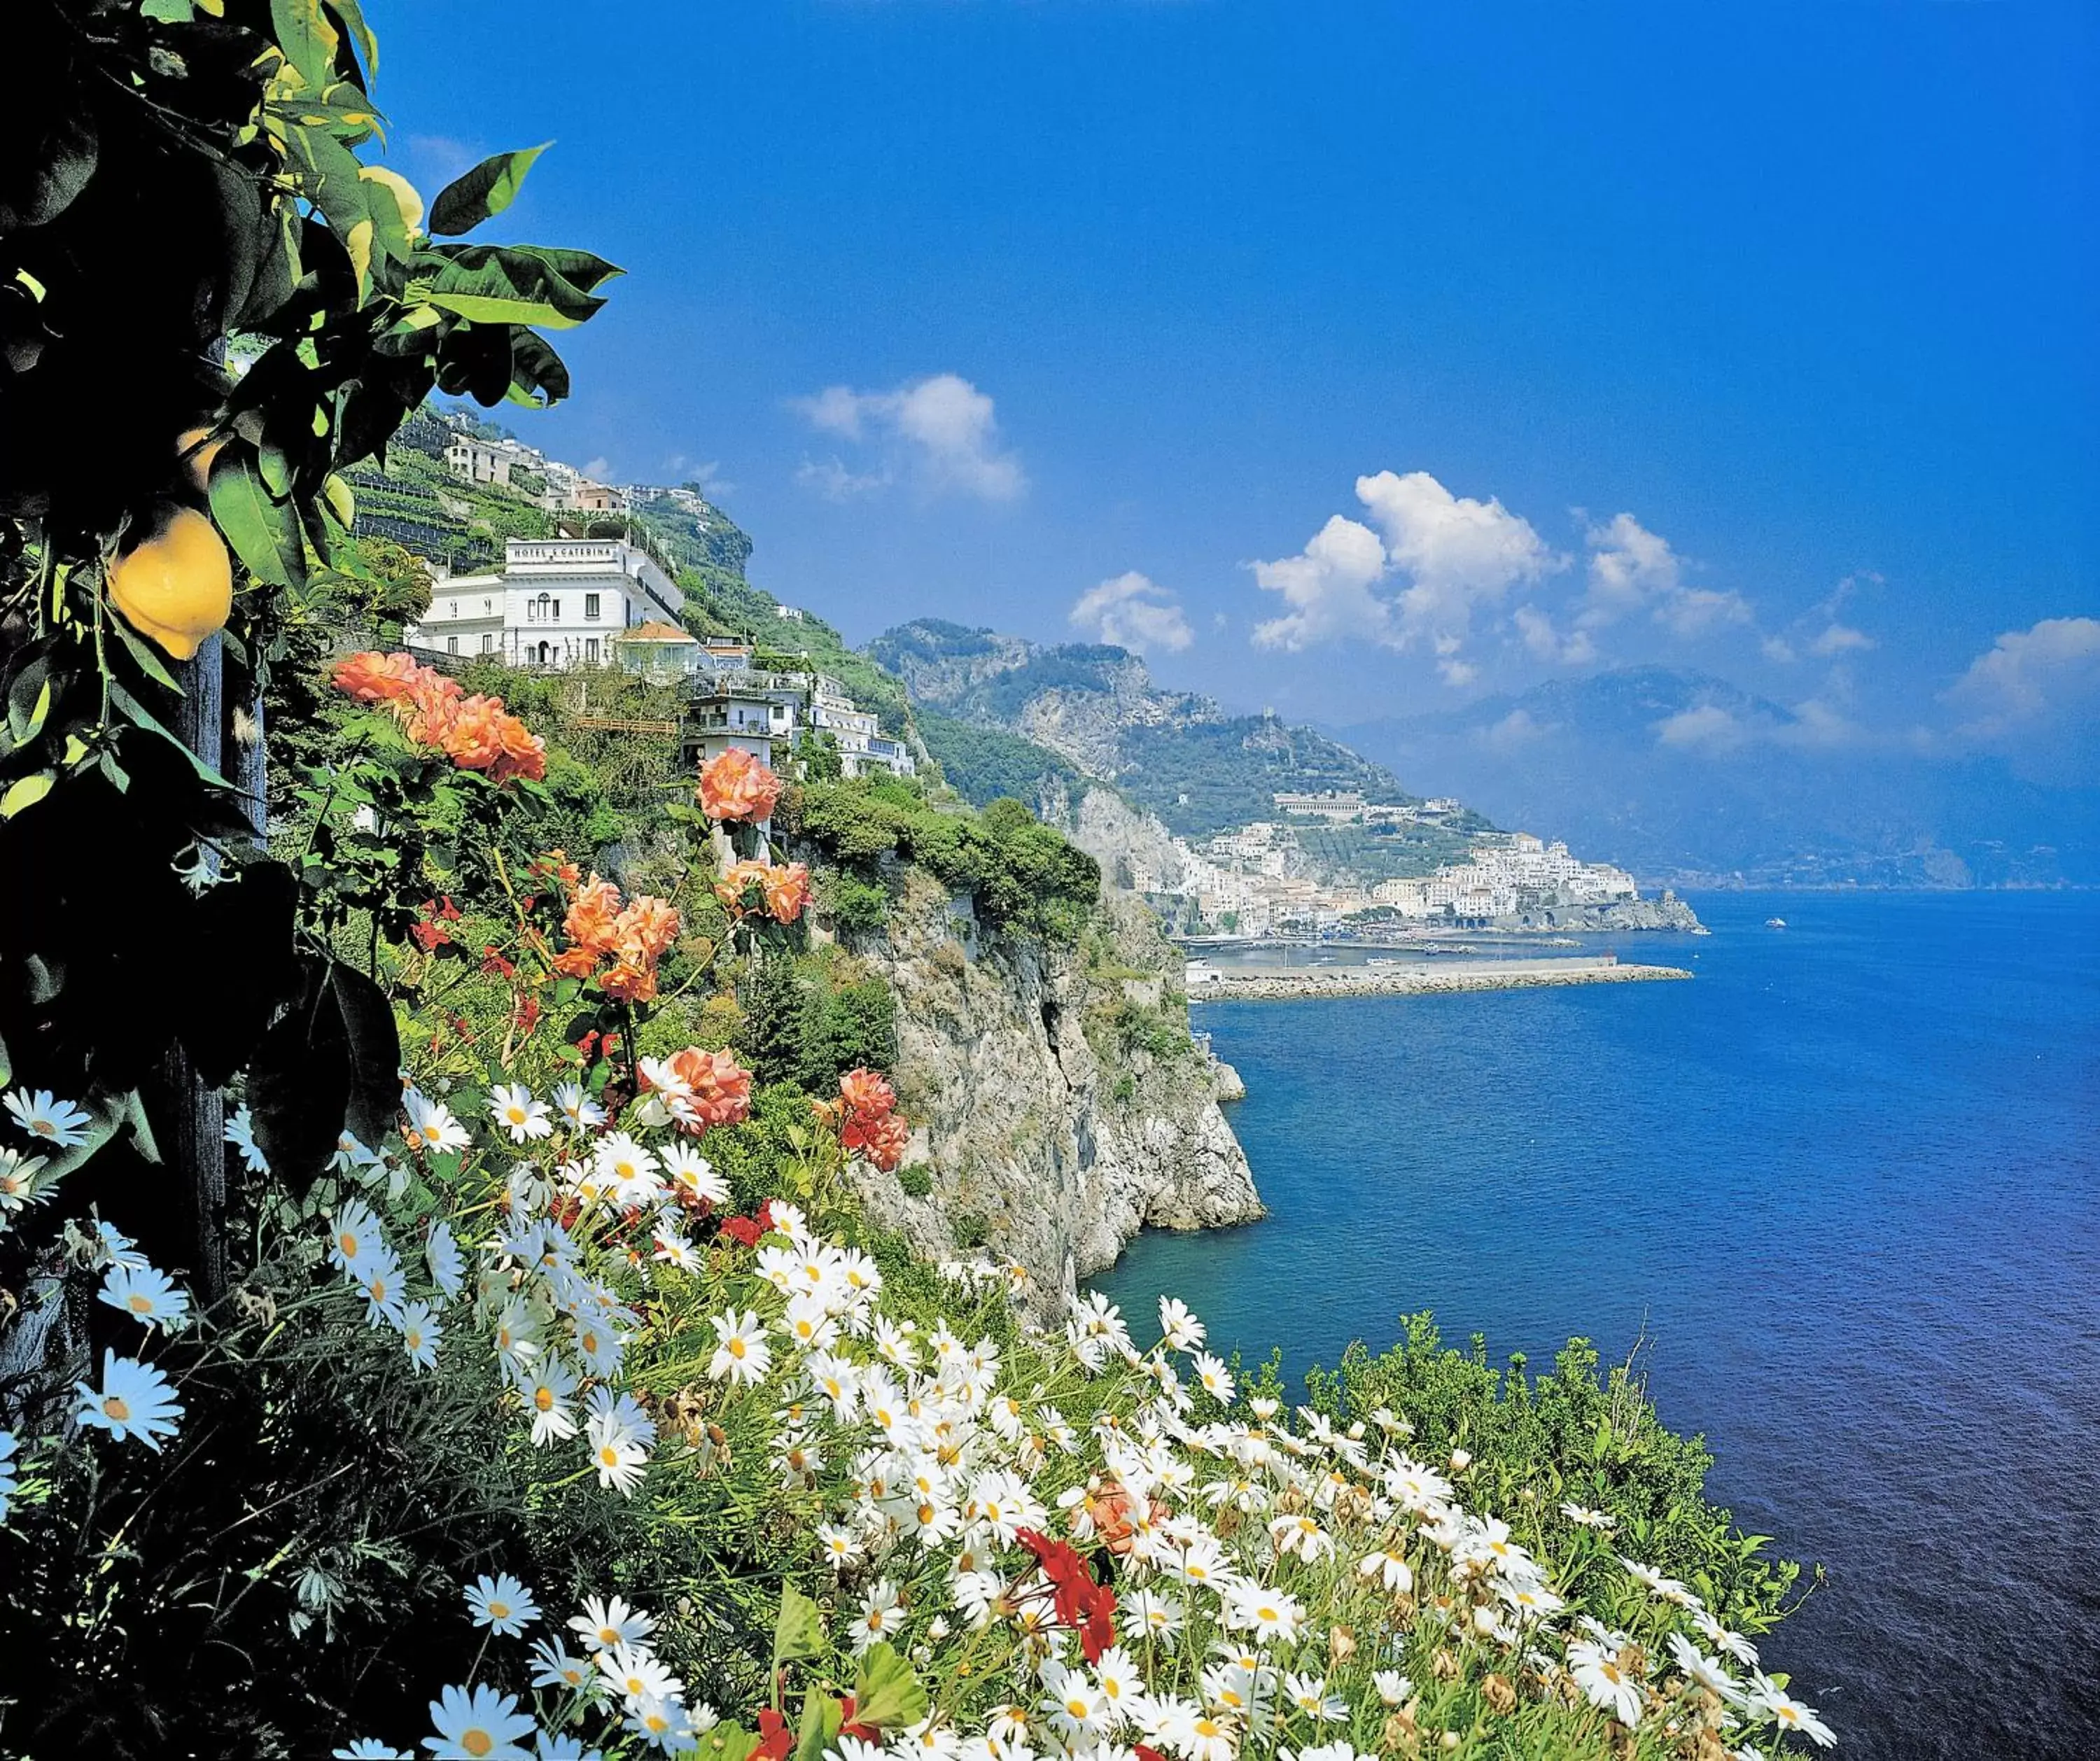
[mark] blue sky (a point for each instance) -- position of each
(1351, 359)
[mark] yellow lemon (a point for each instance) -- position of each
(199, 461)
(178, 587)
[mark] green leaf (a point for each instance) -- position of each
(26, 792)
(374, 1054)
(139, 715)
(169, 11)
(307, 38)
(799, 1633)
(822, 1719)
(516, 284)
(886, 1694)
(264, 532)
(727, 1742)
(330, 177)
(351, 16)
(538, 377)
(489, 188)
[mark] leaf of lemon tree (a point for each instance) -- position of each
(149, 662)
(538, 376)
(489, 188)
(264, 534)
(25, 792)
(514, 285)
(886, 1694)
(799, 1633)
(351, 16)
(308, 39)
(330, 177)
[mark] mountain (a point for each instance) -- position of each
(1683, 776)
(1096, 709)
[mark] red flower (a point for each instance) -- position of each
(1082, 1605)
(775, 1740)
(745, 1231)
(493, 963)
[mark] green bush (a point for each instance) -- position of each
(917, 1180)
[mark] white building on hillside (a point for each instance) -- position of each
(556, 602)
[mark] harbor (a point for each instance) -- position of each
(1212, 984)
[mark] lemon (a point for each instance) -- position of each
(177, 588)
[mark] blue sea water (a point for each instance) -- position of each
(1848, 1182)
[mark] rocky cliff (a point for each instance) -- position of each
(1061, 1105)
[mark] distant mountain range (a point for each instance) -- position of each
(1001, 713)
(1683, 776)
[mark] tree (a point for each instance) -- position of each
(175, 173)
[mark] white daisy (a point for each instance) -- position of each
(146, 1296)
(135, 1401)
(501, 1603)
(55, 1124)
(241, 1133)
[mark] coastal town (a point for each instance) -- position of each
(594, 597)
(1261, 880)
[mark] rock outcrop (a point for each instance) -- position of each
(1060, 1104)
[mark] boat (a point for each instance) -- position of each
(1774, 923)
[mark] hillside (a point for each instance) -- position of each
(1686, 777)
(1175, 754)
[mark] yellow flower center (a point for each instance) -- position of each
(114, 1407)
(139, 1303)
(736, 1346)
(543, 1399)
(348, 1243)
(477, 1742)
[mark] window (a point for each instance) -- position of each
(590, 607)
(590, 649)
(558, 610)
(452, 645)
(488, 642)
(452, 608)
(537, 608)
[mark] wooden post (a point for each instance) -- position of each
(194, 1145)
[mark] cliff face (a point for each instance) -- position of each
(1039, 1146)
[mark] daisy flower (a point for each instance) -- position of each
(554, 1667)
(546, 1391)
(135, 1401)
(113, 1248)
(241, 1133)
(564, 1749)
(880, 1616)
(1598, 1674)
(1216, 1379)
(619, 1460)
(610, 1625)
(370, 1749)
(1390, 1568)
(421, 1333)
(693, 1174)
(55, 1123)
(19, 1186)
(634, 1674)
(1583, 1517)
(502, 1605)
(1309, 1694)
(379, 1276)
(1706, 1671)
(431, 1125)
(663, 1723)
(512, 1108)
(354, 1234)
(1272, 1617)
(743, 1354)
(479, 1722)
(1768, 1700)
(1179, 1328)
(577, 1107)
(442, 1255)
(1392, 1687)
(8, 1481)
(146, 1296)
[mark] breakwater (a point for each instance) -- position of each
(1234, 985)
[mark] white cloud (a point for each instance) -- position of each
(940, 431)
(1705, 727)
(1133, 612)
(1633, 570)
(1536, 627)
(2034, 697)
(1328, 587)
(1452, 555)
(598, 470)
(1516, 730)
(1840, 638)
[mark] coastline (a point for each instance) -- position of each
(1357, 981)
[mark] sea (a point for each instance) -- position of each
(1843, 1193)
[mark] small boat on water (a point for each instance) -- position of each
(1774, 923)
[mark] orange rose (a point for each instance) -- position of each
(722, 1088)
(733, 885)
(555, 865)
(865, 1094)
(474, 738)
(787, 891)
(371, 677)
(628, 981)
(592, 921)
(648, 928)
(734, 785)
(524, 754)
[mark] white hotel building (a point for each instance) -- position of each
(556, 602)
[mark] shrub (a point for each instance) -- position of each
(917, 1180)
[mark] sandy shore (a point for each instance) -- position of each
(1422, 980)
